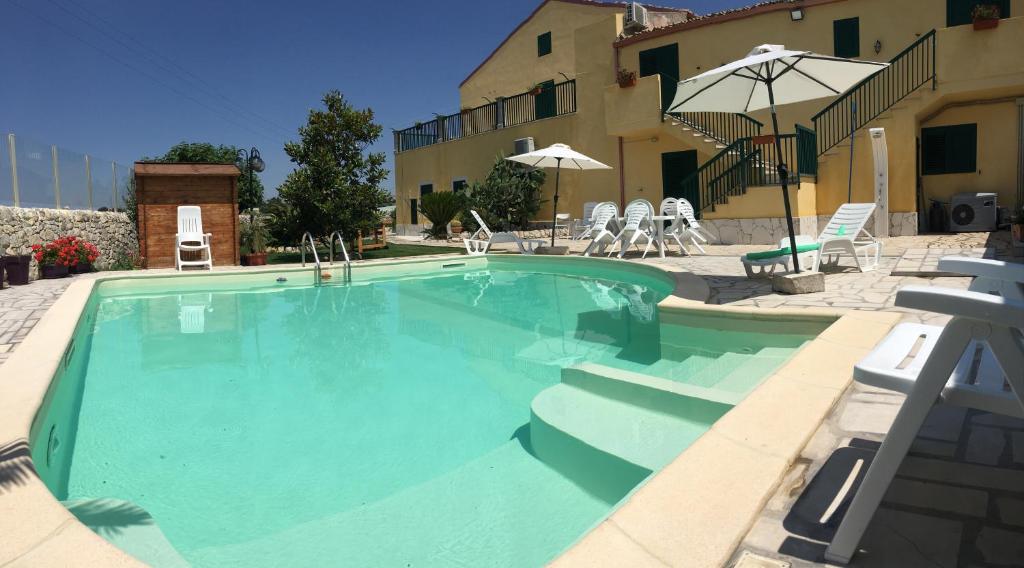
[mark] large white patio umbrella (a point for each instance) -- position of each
(767, 76)
(558, 156)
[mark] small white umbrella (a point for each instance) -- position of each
(771, 75)
(558, 156)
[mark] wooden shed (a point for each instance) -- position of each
(161, 187)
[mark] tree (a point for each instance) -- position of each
(508, 197)
(248, 197)
(336, 184)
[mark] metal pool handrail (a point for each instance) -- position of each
(344, 252)
(307, 236)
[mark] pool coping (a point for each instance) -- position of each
(39, 531)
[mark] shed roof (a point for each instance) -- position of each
(185, 169)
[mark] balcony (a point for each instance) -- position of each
(633, 111)
(553, 100)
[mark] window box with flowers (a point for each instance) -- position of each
(985, 16)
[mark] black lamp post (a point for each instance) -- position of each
(252, 160)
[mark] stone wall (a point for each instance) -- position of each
(110, 232)
(770, 230)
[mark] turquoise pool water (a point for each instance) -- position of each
(383, 423)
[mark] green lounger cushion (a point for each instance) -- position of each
(780, 252)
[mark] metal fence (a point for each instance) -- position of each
(36, 174)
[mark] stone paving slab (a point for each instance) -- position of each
(925, 261)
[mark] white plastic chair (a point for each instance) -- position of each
(845, 234)
(974, 361)
(190, 238)
(602, 229)
(563, 221)
(477, 246)
(695, 233)
(637, 226)
(677, 230)
(581, 227)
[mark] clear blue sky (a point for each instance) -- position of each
(242, 73)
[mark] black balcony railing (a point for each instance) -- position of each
(862, 103)
(551, 100)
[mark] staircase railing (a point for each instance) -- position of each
(722, 127)
(865, 101)
(749, 162)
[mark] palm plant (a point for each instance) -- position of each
(440, 209)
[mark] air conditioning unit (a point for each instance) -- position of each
(973, 212)
(523, 145)
(636, 16)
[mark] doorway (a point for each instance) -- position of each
(676, 167)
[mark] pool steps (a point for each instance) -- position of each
(619, 422)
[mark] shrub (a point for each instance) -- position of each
(440, 209)
(507, 198)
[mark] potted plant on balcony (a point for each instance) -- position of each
(985, 16)
(55, 257)
(626, 78)
(254, 239)
(536, 90)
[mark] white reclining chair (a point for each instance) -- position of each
(581, 227)
(845, 234)
(190, 238)
(974, 361)
(603, 227)
(477, 246)
(695, 233)
(637, 226)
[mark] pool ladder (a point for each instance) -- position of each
(318, 279)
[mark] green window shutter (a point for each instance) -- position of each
(846, 35)
(949, 149)
(426, 188)
(414, 212)
(459, 186)
(543, 44)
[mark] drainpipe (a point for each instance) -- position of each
(622, 160)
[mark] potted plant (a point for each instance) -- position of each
(16, 265)
(86, 254)
(55, 257)
(255, 240)
(440, 208)
(536, 89)
(985, 16)
(456, 227)
(626, 78)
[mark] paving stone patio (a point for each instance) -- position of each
(958, 499)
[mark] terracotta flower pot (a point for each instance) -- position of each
(254, 259)
(48, 271)
(986, 23)
(627, 83)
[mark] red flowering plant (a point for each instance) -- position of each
(65, 251)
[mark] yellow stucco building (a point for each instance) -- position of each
(951, 105)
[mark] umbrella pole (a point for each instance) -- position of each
(554, 214)
(784, 177)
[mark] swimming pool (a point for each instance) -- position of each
(483, 413)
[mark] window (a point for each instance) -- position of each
(414, 217)
(949, 149)
(958, 12)
(662, 61)
(847, 37)
(543, 44)
(459, 185)
(426, 188)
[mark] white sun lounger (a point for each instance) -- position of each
(765, 267)
(477, 246)
(845, 234)
(974, 361)
(190, 238)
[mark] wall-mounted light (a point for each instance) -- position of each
(878, 46)
(796, 14)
